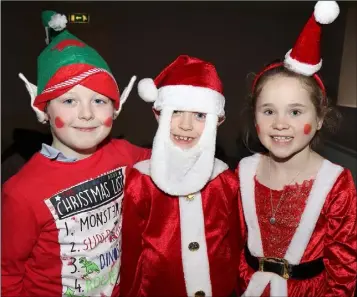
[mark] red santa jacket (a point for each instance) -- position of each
(179, 246)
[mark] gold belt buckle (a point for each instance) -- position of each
(284, 264)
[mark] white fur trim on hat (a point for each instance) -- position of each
(326, 12)
(299, 67)
(190, 98)
(147, 90)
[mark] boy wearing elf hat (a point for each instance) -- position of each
(298, 210)
(179, 236)
(61, 219)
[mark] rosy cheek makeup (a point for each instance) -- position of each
(307, 129)
(108, 122)
(59, 122)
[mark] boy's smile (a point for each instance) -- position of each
(80, 120)
(182, 140)
(186, 128)
(85, 129)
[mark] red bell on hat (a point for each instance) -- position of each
(305, 57)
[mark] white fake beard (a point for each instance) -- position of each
(181, 172)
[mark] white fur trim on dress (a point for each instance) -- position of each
(300, 67)
(195, 263)
(190, 98)
(218, 167)
(325, 179)
(247, 170)
(143, 167)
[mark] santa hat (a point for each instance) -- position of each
(305, 58)
(187, 84)
(68, 61)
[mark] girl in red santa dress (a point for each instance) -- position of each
(298, 209)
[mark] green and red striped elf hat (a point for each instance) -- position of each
(68, 61)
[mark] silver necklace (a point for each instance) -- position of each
(272, 219)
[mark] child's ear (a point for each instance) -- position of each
(156, 114)
(221, 120)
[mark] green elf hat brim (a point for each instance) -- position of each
(97, 79)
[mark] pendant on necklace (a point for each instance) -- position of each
(272, 220)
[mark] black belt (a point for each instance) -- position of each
(282, 267)
(203, 294)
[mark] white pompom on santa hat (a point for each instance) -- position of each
(305, 57)
(187, 84)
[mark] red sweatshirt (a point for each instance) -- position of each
(61, 224)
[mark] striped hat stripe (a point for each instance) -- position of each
(75, 79)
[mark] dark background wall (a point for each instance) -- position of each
(143, 37)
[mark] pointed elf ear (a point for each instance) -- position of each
(124, 96)
(32, 89)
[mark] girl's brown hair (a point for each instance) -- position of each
(330, 116)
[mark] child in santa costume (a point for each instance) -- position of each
(61, 214)
(299, 208)
(179, 221)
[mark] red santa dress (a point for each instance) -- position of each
(317, 220)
